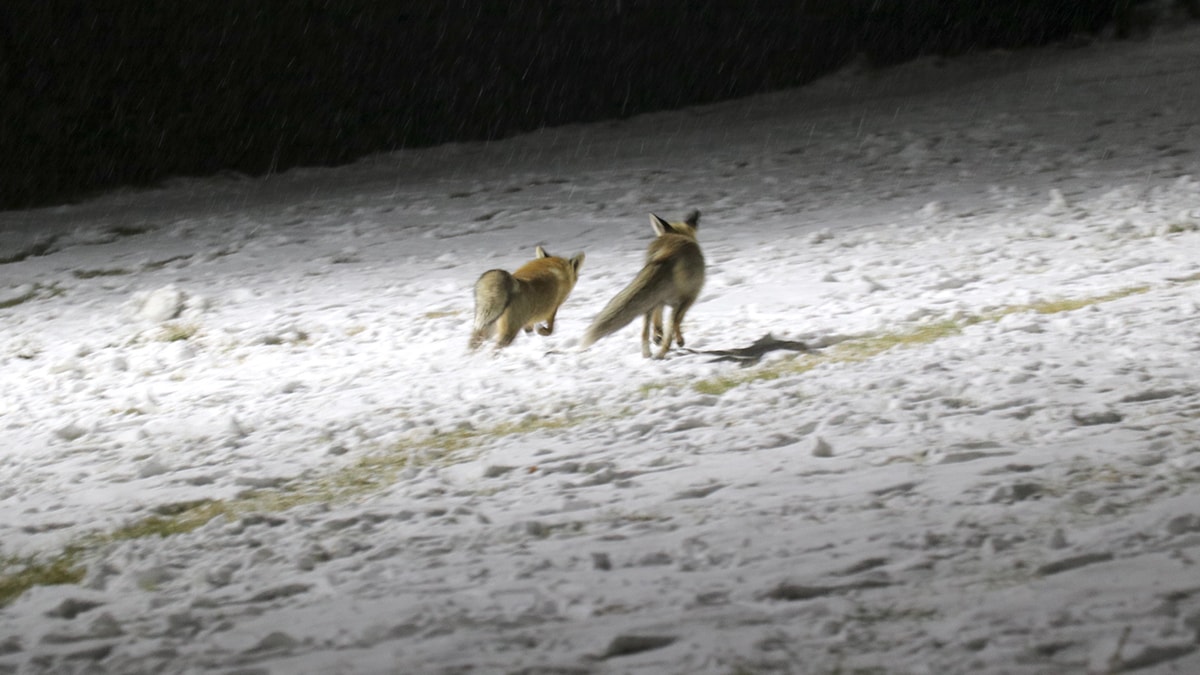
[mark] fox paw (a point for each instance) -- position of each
(545, 330)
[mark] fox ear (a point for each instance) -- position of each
(541, 252)
(693, 219)
(660, 226)
(577, 262)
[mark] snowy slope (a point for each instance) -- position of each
(988, 458)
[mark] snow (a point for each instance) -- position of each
(984, 456)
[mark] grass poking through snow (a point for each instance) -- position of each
(365, 476)
(65, 568)
(866, 347)
(177, 332)
(375, 472)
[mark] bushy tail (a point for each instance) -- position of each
(639, 297)
(493, 294)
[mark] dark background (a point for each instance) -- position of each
(105, 93)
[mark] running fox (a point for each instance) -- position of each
(506, 303)
(672, 277)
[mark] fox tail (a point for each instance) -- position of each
(636, 299)
(493, 294)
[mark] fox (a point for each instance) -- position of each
(507, 302)
(672, 277)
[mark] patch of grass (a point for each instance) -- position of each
(292, 336)
(889, 614)
(723, 383)
(377, 471)
(441, 314)
(847, 351)
(864, 348)
(159, 264)
(92, 274)
(19, 298)
(532, 423)
(131, 411)
(1058, 306)
(177, 332)
(868, 346)
(1188, 279)
(717, 385)
(648, 388)
(159, 526)
(171, 519)
(62, 569)
(368, 474)
(33, 292)
(1087, 474)
(39, 248)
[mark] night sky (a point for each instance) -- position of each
(96, 95)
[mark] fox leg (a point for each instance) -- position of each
(646, 321)
(508, 330)
(549, 327)
(667, 338)
(658, 325)
(677, 319)
(674, 328)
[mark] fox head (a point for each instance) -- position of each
(686, 228)
(574, 263)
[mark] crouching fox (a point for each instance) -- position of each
(505, 303)
(672, 277)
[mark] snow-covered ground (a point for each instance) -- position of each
(988, 460)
